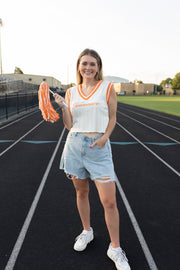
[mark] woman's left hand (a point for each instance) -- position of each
(100, 142)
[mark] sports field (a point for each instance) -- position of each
(167, 104)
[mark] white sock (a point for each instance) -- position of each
(85, 231)
(116, 249)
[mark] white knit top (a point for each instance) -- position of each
(90, 113)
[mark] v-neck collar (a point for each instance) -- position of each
(95, 88)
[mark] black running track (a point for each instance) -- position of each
(38, 215)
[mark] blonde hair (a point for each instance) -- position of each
(99, 75)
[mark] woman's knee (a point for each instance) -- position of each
(82, 193)
(82, 188)
(109, 203)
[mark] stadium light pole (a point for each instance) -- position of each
(1, 24)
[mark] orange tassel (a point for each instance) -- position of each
(47, 110)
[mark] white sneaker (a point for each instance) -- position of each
(83, 239)
(119, 258)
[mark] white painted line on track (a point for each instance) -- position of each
(158, 157)
(17, 247)
(150, 112)
(23, 117)
(153, 119)
(8, 148)
(19, 119)
(149, 127)
(147, 253)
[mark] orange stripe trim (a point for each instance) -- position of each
(108, 93)
(79, 91)
(68, 95)
(95, 88)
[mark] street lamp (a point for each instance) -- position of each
(1, 24)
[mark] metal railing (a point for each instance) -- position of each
(11, 104)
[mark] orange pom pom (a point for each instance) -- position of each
(47, 110)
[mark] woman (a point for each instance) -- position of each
(91, 117)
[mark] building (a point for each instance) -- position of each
(124, 87)
(134, 88)
(10, 83)
(34, 79)
(167, 90)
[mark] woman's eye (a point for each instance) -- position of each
(90, 64)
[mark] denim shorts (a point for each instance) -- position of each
(81, 161)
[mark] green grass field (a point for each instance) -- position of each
(167, 104)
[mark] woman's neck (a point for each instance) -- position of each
(87, 86)
(89, 83)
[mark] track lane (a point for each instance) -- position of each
(25, 227)
(16, 119)
(148, 199)
(21, 171)
(161, 116)
(172, 132)
(169, 153)
(52, 244)
(156, 130)
(20, 139)
(152, 190)
(17, 131)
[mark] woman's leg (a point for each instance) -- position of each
(82, 198)
(107, 194)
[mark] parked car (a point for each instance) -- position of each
(121, 93)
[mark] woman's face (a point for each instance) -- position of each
(88, 67)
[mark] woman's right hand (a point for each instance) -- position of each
(60, 101)
(67, 118)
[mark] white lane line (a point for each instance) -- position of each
(153, 119)
(17, 247)
(25, 116)
(149, 127)
(158, 157)
(19, 119)
(147, 253)
(7, 149)
(150, 112)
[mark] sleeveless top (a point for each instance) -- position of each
(90, 113)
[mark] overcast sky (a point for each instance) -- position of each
(135, 39)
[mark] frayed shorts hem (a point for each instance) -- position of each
(100, 179)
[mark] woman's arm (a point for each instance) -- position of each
(67, 117)
(112, 105)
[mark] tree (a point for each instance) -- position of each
(176, 81)
(137, 81)
(166, 83)
(17, 70)
(159, 88)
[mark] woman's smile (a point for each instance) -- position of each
(88, 66)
